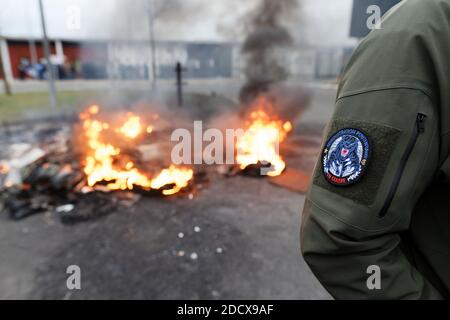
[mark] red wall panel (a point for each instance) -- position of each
(21, 49)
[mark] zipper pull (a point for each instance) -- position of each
(421, 122)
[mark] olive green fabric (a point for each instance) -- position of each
(396, 72)
(382, 142)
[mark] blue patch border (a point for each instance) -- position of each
(367, 152)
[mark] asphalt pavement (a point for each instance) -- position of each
(237, 238)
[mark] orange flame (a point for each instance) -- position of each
(132, 127)
(4, 168)
(172, 174)
(261, 139)
(101, 165)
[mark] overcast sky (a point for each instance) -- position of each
(324, 22)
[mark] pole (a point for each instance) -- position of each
(179, 73)
(2, 71)
(50, 73)
(2, 74)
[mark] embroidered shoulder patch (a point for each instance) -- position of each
(345, 157)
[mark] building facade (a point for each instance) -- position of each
(119, 60)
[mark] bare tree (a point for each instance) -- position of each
(155, 8)
(151, 23)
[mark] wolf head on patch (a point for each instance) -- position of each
(343, 159)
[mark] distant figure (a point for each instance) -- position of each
(24, 68)
(40, 70)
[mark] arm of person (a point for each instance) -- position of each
(351, 224)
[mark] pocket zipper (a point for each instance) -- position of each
(420, 128)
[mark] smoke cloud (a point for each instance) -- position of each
(266, 46)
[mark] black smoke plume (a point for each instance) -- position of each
(265, 47)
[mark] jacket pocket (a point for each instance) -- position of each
(419, 129)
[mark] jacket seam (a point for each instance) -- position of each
(383, 88)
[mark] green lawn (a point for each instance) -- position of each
(18, 105)
(26, 105)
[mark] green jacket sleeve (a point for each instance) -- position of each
(347, 229)
(395, 90)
